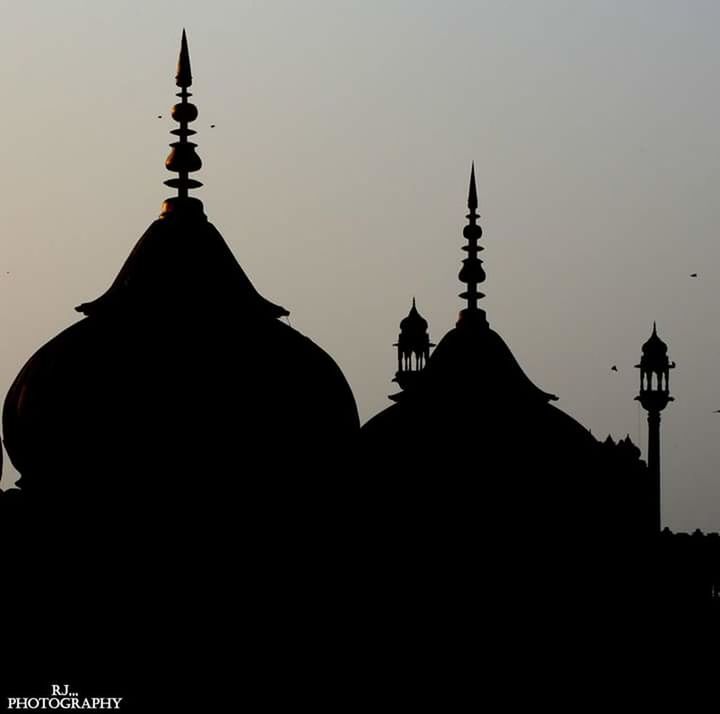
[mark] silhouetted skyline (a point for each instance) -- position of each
(340, 557)
(339, 161)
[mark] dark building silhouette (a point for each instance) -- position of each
(184, 459)
(479, 417)
(475, 457)
(689, 571)
(194, 482)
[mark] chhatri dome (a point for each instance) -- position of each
(181, 374)
(414, 323)
(654, 352)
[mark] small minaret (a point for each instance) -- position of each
(654, 396)
(183, 160)
(413, 348)
(472, 273)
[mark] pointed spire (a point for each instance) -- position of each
(472, 273)
(182, 159)
(654, 329)
(183, 78)
(472, 191)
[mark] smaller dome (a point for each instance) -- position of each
(414, 322)
(654, 355)
(654, 347)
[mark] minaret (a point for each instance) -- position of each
(413, 349)
(654, 396)
(182, 159)
(472, 273)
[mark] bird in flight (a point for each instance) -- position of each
(159, 116)
(212, 126)
(614, 368)
(693, 275)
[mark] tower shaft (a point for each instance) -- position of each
(654, 465)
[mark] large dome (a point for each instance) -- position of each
(183, 457)
(180, 373)
(179, 367)
(474, 413)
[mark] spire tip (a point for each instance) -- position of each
(183, 77)
(472, 191)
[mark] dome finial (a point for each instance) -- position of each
(472, 272)
(182, 159)
(183, 78)
(472, 191)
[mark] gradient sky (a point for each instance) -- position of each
(337, 172)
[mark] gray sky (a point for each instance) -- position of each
(338, 170)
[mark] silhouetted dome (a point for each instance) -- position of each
(414, 323)
(476, 359)
(473, 384)
(179, 374)
(654, 348)
(654, 360)
(182, 262)
(180, 365)
(477, 439)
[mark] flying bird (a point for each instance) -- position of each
(614, 368)
(159, 116)
(212, 126)
(693, 275)
(717, 411)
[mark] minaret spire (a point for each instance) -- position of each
(183, 78)
(472, 191)
(182, 159)
(472, 272)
